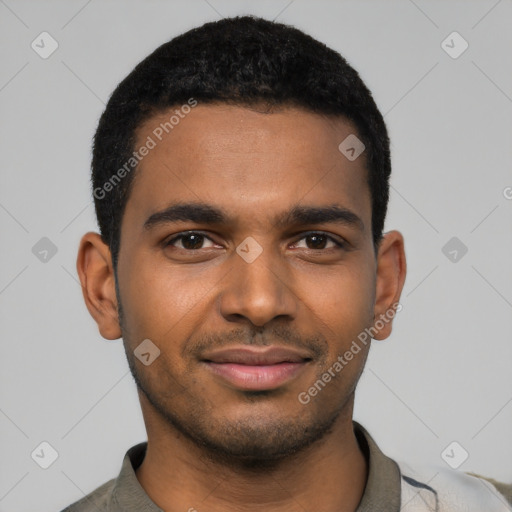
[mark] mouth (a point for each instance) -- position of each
(251, 369)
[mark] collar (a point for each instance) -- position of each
(127, 494)
(383, 486)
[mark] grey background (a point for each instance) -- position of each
(443, 376)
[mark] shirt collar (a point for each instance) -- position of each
(382, 490)
(383, 486)
(128, 495)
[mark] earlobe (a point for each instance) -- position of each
(391, 271)
(96, 273)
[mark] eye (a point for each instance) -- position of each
(319, 241)
(190, 241)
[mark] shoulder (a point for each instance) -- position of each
(97, 500)
(439, 489)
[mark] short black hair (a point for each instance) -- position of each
(242, 61)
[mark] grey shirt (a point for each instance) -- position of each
(388, 488)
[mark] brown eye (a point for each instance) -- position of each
(189, 241)
(318, 241)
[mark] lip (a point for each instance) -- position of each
(254, 369)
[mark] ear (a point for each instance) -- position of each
(391, 270)
(96, 273)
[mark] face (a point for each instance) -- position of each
(247, 259)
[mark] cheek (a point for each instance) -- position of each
(341, 299)
(157, 298)
(342, 310)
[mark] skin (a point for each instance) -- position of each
(212, 446)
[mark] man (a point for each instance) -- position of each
(240, 177)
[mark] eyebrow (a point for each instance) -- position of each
(202, 213)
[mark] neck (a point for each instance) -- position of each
(178, 475)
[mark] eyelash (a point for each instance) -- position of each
(339, 244)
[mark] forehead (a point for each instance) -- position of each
(247, 162)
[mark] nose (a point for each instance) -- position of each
(258, 292)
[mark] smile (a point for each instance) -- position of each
(256, 370)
